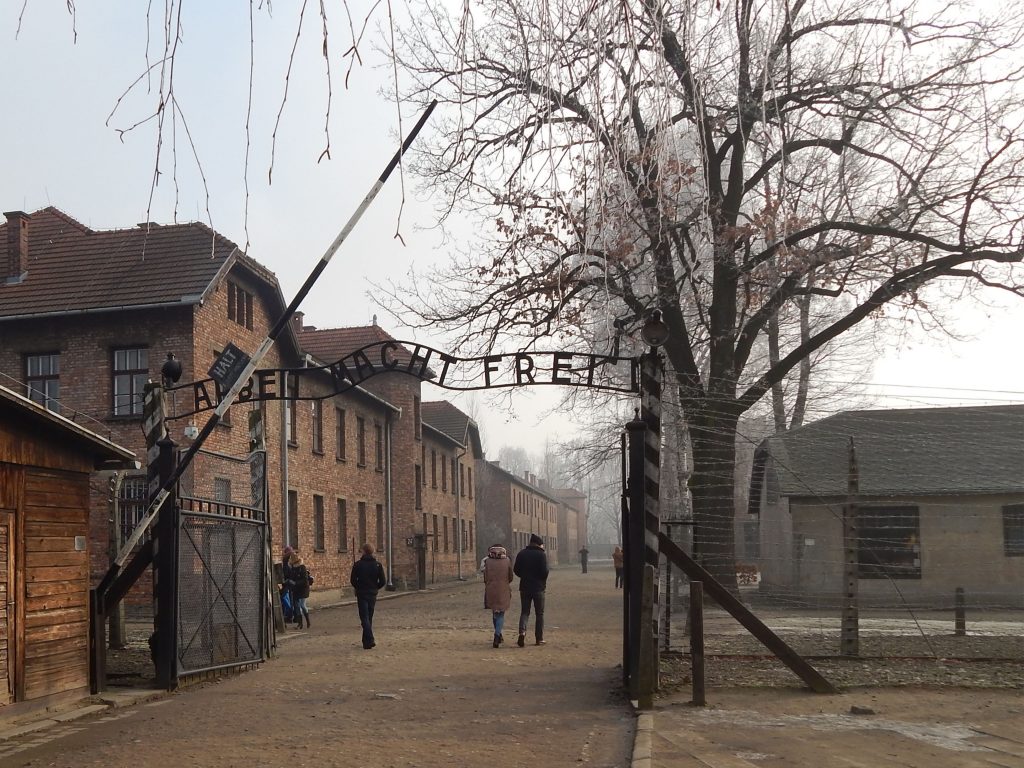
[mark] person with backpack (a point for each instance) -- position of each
(299, 581)
(367, 579)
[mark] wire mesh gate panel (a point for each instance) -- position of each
(221, 564)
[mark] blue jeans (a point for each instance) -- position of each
(365, 605)
(499, 621)
(537, 599)
(300, 609)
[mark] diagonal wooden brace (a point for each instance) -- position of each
(744, 616)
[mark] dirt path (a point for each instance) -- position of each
(433, 693)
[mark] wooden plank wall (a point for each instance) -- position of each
(56, 578)
(6, 619)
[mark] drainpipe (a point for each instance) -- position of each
(285, 512)
(388, 542)
(458, 515)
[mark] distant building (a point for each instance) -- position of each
(940, 505)
(511, 508)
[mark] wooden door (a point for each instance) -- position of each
(7, 612)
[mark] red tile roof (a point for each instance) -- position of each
(330, 344)
(72, 268)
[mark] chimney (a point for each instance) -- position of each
(16, 264)
(297, 321)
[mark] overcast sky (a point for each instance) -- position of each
(58, 150)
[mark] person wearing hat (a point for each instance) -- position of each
(532, 569)
(497, 570)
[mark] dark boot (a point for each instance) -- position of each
(307, 621)
(497, 641)
(521, 641)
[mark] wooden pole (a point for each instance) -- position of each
(697, 642)
(634, 552)
(624, 539)
(647, 663)
(849, 638)
(650, 413)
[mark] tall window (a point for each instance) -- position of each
(222, 490)
(361, 440)
(417, 416)
(1013, 530)
(423, 463)
(318, 427)
(318, 523)
(435, 533)
(433, 468)
(131, 369)
(455, 476)
(419, 486)
(239, 305)
(889, 543)
(470, 543)
(42, 380)
(462, 535)
(340, 433)
(293, 519)
(380, 527)
(444, 473)
(362, 522)
(462, 480)
(469, 480)
(378, 432)
(342, 525)
(444, 525)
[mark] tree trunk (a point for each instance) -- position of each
(713, 435)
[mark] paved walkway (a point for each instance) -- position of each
(909, 728)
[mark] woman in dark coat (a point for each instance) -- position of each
(298, 578)
(497, 588)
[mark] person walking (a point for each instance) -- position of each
(367, 579)
(497, 592)
(617, 562)
(584, 554)
(299, 581)
(532, 569)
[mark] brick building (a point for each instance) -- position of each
(511, 508)
(451, 445)
(87, 317)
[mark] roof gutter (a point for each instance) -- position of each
(184, 301)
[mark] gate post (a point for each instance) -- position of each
(163, 645)
(634, 548)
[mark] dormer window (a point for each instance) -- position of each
(239, 305)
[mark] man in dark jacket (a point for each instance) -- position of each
(367, 579)
(532, 569)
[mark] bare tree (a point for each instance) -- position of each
(668, 154)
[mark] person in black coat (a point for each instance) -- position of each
(298, 581)
(532, 569)
(367, 579)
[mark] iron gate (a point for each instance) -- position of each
(221, 554)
